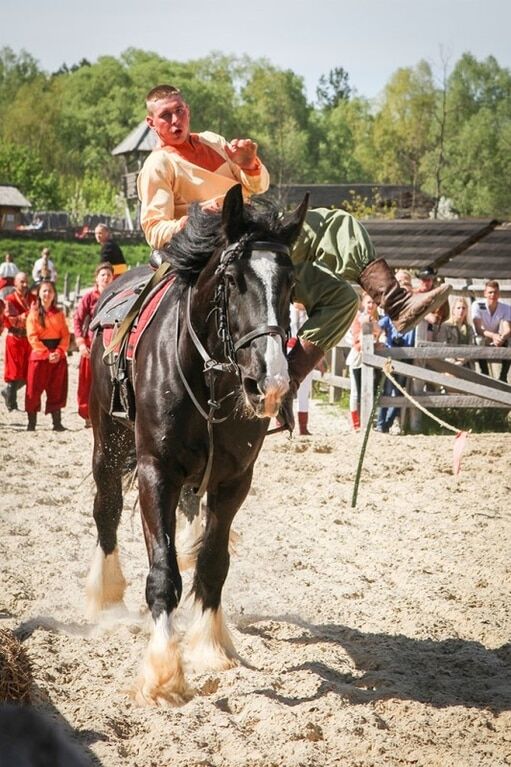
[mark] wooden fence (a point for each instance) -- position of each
(432, 378)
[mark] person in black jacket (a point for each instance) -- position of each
(110, 250)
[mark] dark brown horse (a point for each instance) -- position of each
(210, 371)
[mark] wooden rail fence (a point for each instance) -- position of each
(432, 378)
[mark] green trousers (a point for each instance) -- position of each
(332, 251)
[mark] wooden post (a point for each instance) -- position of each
(336, 368)
(367, 377)
(77, 289)
(417, 386)
(66, 287)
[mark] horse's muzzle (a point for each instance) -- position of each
(265, 400)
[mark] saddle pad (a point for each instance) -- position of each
(116, 308)
(141, 323)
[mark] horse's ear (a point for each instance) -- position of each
(293, 222)
(232, 214)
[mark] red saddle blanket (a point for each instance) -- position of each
(141, 323)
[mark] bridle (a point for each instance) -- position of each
(256, 249)
(243, 248)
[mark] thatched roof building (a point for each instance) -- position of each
(12, 203)
(141, 139)
(413, 244)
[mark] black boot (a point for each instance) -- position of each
(302, 358)
(32, 420)
(9, 395)
(405, 309)
(56, 417)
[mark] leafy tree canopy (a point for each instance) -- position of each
(57, 130)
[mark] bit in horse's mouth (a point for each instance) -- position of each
(263, 404)
(254, 397)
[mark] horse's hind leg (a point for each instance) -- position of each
(209, 644)
(105, 583)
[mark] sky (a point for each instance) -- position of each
(370, 39)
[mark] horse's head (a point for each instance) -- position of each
(255, 279)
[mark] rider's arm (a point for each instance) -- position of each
(254, 180)
(155, 185)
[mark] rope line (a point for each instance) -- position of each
(387, 370)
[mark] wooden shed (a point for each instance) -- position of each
(414, 244)
(400, 198)
(488, 258)
(134, 149)
(12, 203)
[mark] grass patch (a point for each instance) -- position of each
(320, 392)
(71, 257)
(477, 420)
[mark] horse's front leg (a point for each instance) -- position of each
(209, 644)
(189, 528)
(105, 582)
(161, 679)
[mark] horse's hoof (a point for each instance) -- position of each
(202, 660)
(164, 696)
(208, 643)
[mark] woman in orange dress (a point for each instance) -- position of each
(48, 335)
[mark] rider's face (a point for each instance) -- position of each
(170, 119)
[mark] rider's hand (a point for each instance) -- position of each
(243, 151)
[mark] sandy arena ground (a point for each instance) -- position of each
(375, 635)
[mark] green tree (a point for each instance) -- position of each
(32, 120)
(25, 170)
(96, 113)
(15, 71)
(333, 88)
(275, 112)
(403, 126)
(478, 150)
(343, 140)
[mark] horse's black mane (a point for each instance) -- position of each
(190, 249)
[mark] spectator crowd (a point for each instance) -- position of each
(37, 336)
(486, 322)
(38, 333)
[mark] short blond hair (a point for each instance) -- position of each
(161, 92)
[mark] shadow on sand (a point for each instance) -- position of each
(441, 673)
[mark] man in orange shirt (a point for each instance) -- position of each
(189, 167)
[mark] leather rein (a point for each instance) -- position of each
(243, 248)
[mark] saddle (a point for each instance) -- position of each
(121, 320)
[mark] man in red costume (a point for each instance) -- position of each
(17, 348)
(82, 318)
